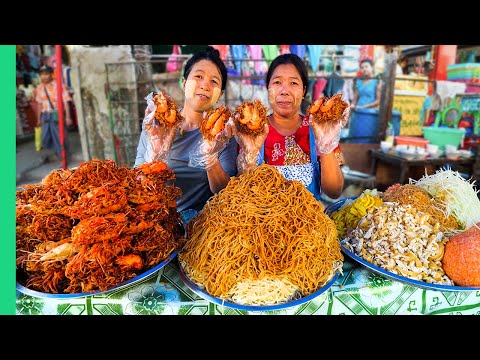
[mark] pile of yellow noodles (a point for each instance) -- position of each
(414, 195)
(261, 227)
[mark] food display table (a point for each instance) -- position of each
(358, 291)
(405, 165)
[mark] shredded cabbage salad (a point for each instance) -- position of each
(459, 195)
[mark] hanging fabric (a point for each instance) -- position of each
(173, 62)
(314, 52)
(239, 53)
(260, 66)
(284, 49)
(270, 52)
(224, 51)
(298, 50)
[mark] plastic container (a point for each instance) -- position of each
(412, 140)
(364, 122)
(396, 117)
(442, 136)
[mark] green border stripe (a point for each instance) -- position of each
(7, 179)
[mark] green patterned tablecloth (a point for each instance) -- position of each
(358, 291)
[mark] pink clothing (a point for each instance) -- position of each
(224, 51)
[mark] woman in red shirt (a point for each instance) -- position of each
(298, 147)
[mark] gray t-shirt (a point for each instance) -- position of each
(192, 180)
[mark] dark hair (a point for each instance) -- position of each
(212, 54)
(45, 68)
(366, 60)
(296, 61)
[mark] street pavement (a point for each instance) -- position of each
(32, 166)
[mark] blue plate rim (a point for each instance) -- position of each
(418, 283)
(137, 278)
(193, 287)
(422, 284)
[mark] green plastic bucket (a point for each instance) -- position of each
(442, 136)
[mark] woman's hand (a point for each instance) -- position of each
(250, 145)
(207, 153)
(327, 134)
(160, 137)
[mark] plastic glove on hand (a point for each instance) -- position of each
(210, 147)
(207, 152)
(250, 143)
(327, 134)
(160, 138)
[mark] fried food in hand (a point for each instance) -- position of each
(251, 117)
(166, 110)
(327, 109)
(214, 121)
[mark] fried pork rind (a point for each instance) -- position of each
(250, 117)
(327, 109)
(214, 121)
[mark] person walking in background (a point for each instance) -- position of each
(47, 112)
(300, 148)
(204, 81)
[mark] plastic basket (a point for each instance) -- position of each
(442, 136)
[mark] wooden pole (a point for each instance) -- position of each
(61, 119)
(388, 87)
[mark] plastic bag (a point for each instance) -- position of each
(38, 138)
(174, 63)
(160, 137)
(327, 134)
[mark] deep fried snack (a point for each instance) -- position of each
(327, 109)
(91, 228)
(214, 121)
(166, 110)
(250, 117)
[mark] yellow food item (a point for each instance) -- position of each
(347, 217)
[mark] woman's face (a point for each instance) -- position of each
(46, 77)
(366, 69)
(285, 90)
(203, 87)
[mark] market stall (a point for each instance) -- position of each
(359, 291)
(412, 167)
(85, 275)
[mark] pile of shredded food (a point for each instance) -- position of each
(262, 240)
(459, 196)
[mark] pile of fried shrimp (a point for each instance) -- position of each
(93, 227)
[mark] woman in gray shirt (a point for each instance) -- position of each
(204, 81)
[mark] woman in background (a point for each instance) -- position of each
(367, 88)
